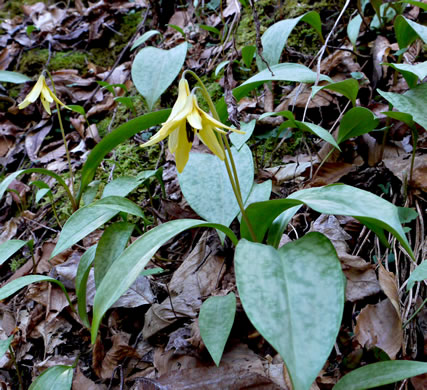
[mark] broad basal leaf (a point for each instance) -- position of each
(348, 88)
(15, 285)
(54, 378)
(154, 70)
(9, 248)
(413, 102)
(417, 275)
(275, 37)
(379, 374)
(85, 220)
(7, 76)
(411, 73)
(129, 265)
(338, 199)
(206, 186)
(355, 122)
(112, 243)
(281, 72)
(215, 322)
(4, 345)
(294, 297)
(353, 29)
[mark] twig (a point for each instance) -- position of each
(322, 52)
(121, 377)
(258, 36)
(170, 300)
(119, 58)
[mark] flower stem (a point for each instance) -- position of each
(67, 152)
(415, 314)
(232, 172)
(18, 372)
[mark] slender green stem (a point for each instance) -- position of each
(15, 363)
(232, 173)
(236, 191)
(415, 314)
(54, 212)
(414, 146)
(388, 122)
(323, 161)
(67, 152)
(233, 165)
(34, 262)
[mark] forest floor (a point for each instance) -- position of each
(150, 338)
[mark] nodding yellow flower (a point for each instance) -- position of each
(46, 95)
(185, 120)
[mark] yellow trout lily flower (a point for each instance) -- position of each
(46, 95)
(186, 119)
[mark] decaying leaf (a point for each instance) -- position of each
(379, 325)
(115, 355)
(196, 277)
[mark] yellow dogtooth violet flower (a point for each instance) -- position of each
(186, 119)
(46, 95)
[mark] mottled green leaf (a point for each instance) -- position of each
(353, 29)
(379, 374)
(413, 102)
(206, 186)
(287, 293)
(355, 122)
(89, 218)
(7, 76)
(417, 275)
(154, 70)
(54, 378)
(9, 248)
(215, 322)
(275, 37)
(129, 265)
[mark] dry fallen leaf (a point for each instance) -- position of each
(196, 277)
(379, 325)
(115, 355)
(388, 285)
(400, 167)
(362, 281)
(80, 382)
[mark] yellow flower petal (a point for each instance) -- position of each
(167, 129)
(35, 92)
(194, 118)
(208, 137)
(174, 136)
(46, 94)
(46, 104)
(182, 153)
(183, 94)
(41, 90)
(57, 100)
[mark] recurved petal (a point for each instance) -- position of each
(174, 136)
(218, 124)
(24, 104)
(208, 137)
(56, 99)
(167, 128)
(46, 104)
(35, 92)
(185, 111)
(46, 94)
(194, 118)
(183, 94)
(183, 150)
(214, 123)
